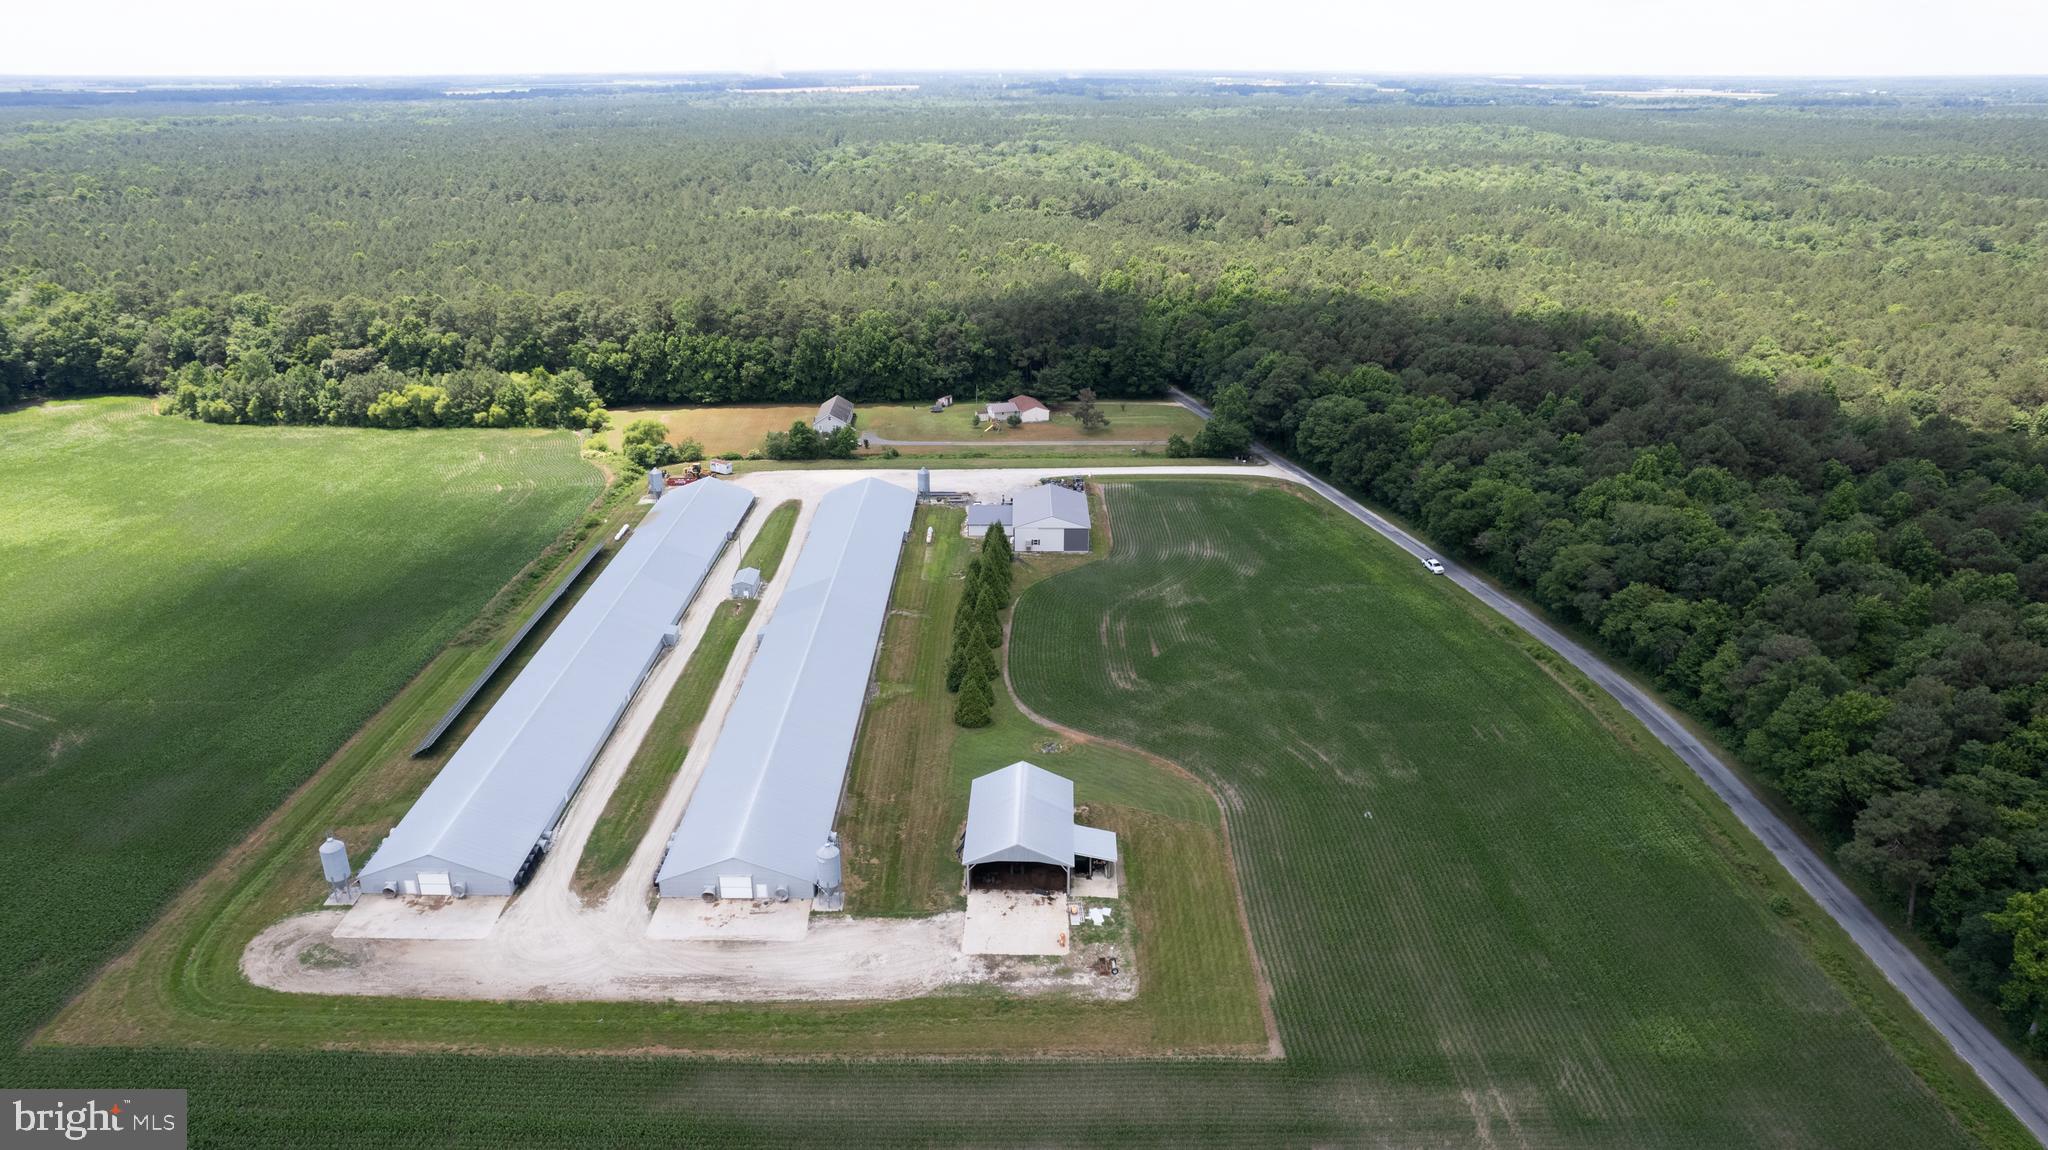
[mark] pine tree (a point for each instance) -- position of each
(974, 707)
(996, 557)
(962, 616)
(965, 644)
(985, 617)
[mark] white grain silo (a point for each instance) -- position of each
(831, 894)
(334, 865)
(656, 482)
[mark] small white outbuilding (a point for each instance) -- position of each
(747, 583)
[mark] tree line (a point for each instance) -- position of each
(1892, 254)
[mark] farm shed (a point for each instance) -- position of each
(768, 793)
(746, 583)
(1049, 518)
(477, 828)
(1021, 828)
(833, 414)
(982, 516)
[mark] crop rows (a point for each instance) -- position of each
(196, 620)
(1471, 897)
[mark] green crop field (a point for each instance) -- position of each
(196, 617)
(1479, 900)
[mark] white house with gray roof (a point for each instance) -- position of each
(833, 414)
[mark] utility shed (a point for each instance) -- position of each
(1050, 518)
(768, 793)
(477, 828)
(1020, 824)
(982, 516)
(833, 414)
(746, 584)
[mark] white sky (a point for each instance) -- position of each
(454, 37)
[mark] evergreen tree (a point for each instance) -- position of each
(985, 613)
(974, 707)
(965, 643)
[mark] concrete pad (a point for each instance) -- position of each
(421, 916)
(1015, 922)
(730, 920)
(1100, 886)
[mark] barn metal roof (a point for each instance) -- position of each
(1025, 813)
(768, 793)
(1051, 501)
(988, 514)
(1021, 813)
(838, 407)
(508, 781)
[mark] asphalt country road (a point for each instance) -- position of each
(2014, 1083)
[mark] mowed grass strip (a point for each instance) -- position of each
(1475, 896)
(629, 812)
(771, 543)
(197, 617)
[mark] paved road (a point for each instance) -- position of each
(1997, 1065)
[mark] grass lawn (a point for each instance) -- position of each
(724, 427)
(1128, 419)
(630, 810)
(197, 617)
(972, 457)
(1476, 895)
(741, 427)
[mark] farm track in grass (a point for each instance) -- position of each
(1473, 893)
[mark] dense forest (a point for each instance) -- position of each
(1755, 397)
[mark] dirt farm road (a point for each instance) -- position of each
(1998, 1066)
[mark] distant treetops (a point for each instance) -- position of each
(978, 632)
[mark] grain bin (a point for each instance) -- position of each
(829, 878)
(924, 481)
(656, 482)
(334, 865)
(334, 861)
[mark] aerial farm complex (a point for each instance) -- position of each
(748, 847)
